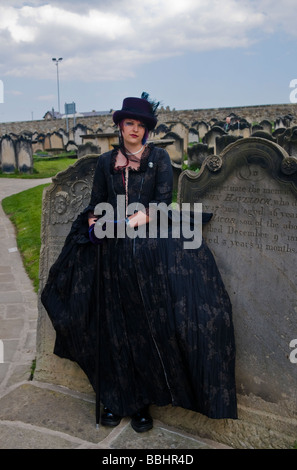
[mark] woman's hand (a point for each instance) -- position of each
(140, 218)
(92, 220)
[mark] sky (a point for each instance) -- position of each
(187, 54)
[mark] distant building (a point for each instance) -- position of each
(50, 115)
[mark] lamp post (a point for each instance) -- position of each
(57, 64)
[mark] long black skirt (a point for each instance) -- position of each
(165, 324)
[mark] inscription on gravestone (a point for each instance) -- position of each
(251, 189)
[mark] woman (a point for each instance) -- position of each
(166, 332)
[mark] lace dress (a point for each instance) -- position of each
(166, 332)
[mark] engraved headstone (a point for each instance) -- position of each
(251, 189)
(63, 200)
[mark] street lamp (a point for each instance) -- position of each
(57, 64)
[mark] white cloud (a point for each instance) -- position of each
(46, 98)
(109, 40)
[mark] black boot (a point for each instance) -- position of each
(142, 421)
(108, 418)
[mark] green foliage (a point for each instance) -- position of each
(45, 166)
(24, 210)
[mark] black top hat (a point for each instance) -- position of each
(137, 108)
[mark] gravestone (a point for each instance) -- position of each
(280, 122)
(24, 155)
(266, 125)
(224, 140)
(279, 134)
(71, 146)
(290, 141)
(47, 142)
(202, 128)
(198, 153)
(257, 128)
(63, 200)
(65, 136)
(211, 135)
(251, 189)
(88, 149)
(8, 154)
(38, 143)
(193, 135)
(78, 131)
(160, 131)
(57, 141)
(182, 131)
(176, 149)
(264, 135)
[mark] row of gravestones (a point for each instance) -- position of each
(217, 139)
(215, 136)
(16, 154)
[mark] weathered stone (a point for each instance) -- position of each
(8, 154)
(24, 155)
(225, 140)
(88, 149)
(251, 189)
(198, 153)
(175, 150)
(210, 136)
(62, 201)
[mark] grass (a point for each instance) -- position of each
(24, 210)
(43, 167)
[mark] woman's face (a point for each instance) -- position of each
(133, 132)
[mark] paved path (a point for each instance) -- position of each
(36, 415)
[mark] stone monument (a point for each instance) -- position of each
(251, 189)
(8, 154)
(63, 200)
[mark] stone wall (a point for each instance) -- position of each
(251, 113)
